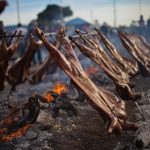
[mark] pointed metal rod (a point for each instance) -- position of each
(8, 97)
(84, 34)
(14, 35)
(59, 45)
(11, 38)
(139, 108)
(9, 93)
(52, 33)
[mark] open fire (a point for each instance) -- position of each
(58, 89)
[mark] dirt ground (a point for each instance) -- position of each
(84, 132)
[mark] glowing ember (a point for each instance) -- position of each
(91, 71)
(49, 98)
(6, 134)
(18, 133)
(7, 121)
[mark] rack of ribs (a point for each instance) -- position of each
(121, 84)
(6, 52)
(127, 65)
(132, 48)
(19, 72)
(106, 103)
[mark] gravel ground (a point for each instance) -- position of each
(84, 132)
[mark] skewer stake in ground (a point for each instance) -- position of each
(8, 97)
(139, 108)
(11, 38)
(59, 45)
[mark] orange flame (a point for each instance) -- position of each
(58, 88)
(49, 98)
(91, 71)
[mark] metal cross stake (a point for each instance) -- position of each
(141, 112)
(59, 45)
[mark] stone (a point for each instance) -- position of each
(143, 135)
(31, 135)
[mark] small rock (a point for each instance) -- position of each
(23, 145)
(45, 127)
(44, 136)
(146, 111)
(121, 146)
(44, 118)
(31, 135)
(143, 135)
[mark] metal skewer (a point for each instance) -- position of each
(51, 36)
(141, 112)
(9, 42)
(11, 36)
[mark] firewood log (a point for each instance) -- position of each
(15, 125)
(109, 106)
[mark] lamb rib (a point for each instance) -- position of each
(127, 65)
(6, 53)
(18, 73)
(122, 86)
(37, 76)
(132, 48)
(141, 44)
(110, 63)
(109, 106)
(144, 42)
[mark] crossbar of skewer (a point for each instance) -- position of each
(8, 36)
(85, 35)
(52, 34)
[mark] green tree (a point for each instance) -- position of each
(52, 13)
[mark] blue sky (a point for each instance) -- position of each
(102, 10)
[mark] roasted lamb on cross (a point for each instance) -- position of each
(105, 102)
